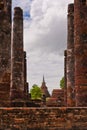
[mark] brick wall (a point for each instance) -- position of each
(43, 118)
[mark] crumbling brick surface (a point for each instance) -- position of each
(43, 118)
(80, 39)
(76, 59)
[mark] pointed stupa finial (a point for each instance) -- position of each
(43, 79)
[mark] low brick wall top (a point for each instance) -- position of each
(43, 118)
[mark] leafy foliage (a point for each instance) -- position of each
(36, 92)
(62, 83)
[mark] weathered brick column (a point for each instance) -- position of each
(5, 51)
(17, 57)
(70, 58)
(80, 33)
(5, 39)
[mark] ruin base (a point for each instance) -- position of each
(43, 118)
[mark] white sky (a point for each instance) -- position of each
(45, 38)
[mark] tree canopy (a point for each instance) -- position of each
(36, 92)
(62, 83)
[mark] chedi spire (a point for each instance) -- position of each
(44, 88)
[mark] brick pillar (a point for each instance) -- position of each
(5, 51)
(5, 40)
(17, 57)
(80, 33)
(70, 58)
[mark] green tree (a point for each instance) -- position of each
(62, 83)
(36, 92)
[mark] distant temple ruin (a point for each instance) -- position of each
(13, 81)
(44, 89)
(57, 98)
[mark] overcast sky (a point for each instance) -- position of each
(45, 39)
